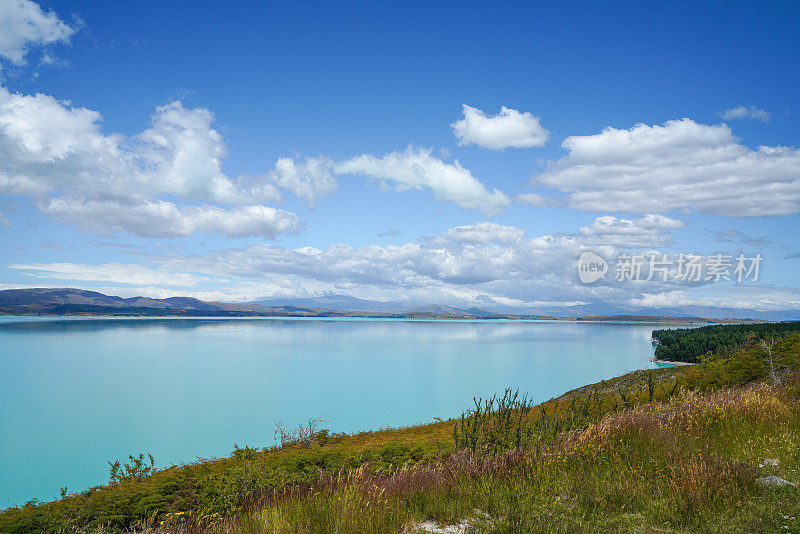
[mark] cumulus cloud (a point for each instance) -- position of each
(507, 129)
(480, 263)
(57, 154)
(23, 25)
(417, 168)
(746, 112)
(308, 179)
(680, 165)
(158, 218)
(184, 155)
(48, 145)
(648, 231)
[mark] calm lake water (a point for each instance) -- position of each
(75, 393)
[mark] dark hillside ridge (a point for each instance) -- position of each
(67, 301)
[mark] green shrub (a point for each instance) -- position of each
(749, 364)
(137, 469)
(496, 424)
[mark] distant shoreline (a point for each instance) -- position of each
(158, 313)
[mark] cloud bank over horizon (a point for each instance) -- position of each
(484, 264)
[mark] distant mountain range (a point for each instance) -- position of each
(347, 303)
(337, 302)
(353, 304)
(68, 301)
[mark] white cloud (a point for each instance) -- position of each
(466, 265)
(117, 273)
(483, 233)
(309, 179)
(509, 128)
(184, 154)
(158, 218)
(416, 168)
(48, 145)
(759, 297)
(647, 231)
(484, 265)
(57, 154)
(680, 165)
(23, 24)
(746, 112)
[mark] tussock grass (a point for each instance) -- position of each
(685, 464)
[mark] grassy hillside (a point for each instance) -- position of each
(667, 450)
(689, 464)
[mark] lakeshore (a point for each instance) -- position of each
(239, 377)
(643, 431)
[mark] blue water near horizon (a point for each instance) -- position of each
(77, 392)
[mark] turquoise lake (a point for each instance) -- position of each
(75, 393)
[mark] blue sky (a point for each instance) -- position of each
(236, 152)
